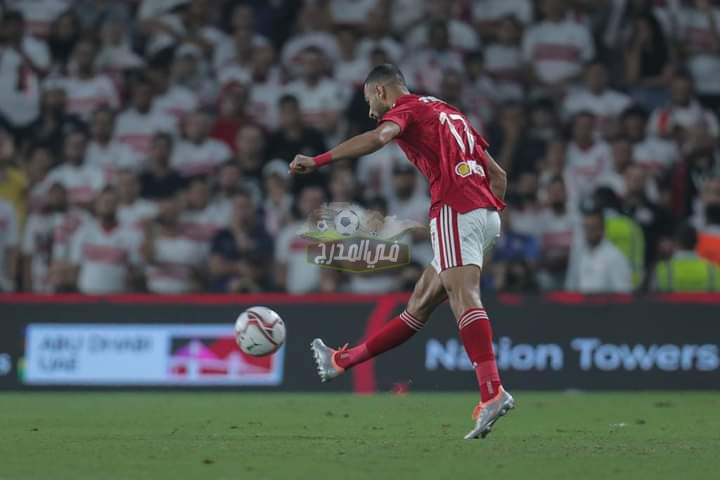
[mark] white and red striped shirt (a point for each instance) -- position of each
(176, 102)
(84, 96)
(585, 168)
(176, 256)
(697, 36)
(104, 257)
(202, 224)
(557, 50)
(135, 214)
(199, 158)
(112, 157)
(664, 119)
(39, 14)
(136, 129)
(320, 104)
(45, 239)
(82, 182)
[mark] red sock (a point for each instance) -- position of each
(393, 333)
(476, 335)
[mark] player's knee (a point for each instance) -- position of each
(420, 308)
(463, 297)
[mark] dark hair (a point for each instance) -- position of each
(288, 99)
(686, 236)
(164, 136)
(635, 110)
(606, 198)
(583, 113)
(683, 74)
(385, 73)
(13, 15)
(556, 179)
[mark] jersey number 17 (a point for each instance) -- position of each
(465, 167)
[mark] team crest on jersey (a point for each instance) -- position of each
(467, 168)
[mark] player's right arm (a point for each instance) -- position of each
(357, 146)
(497, 177)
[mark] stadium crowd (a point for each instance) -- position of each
(144, 144)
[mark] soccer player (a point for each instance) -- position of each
(466, 187)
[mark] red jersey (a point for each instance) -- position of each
(441, 143)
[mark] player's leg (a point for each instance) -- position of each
(464, 242)
(428, 293)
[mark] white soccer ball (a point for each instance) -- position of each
(259, 331)
(323, 225)
(347, 222)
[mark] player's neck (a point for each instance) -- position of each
(395, 93)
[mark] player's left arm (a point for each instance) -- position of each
(497, 176)
(357, 146)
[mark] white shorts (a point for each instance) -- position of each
(462, 238)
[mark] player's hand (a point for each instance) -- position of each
(301, 165)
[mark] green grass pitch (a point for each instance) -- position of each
(337, 436)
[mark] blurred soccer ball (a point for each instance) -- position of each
(259, 331)
(347, 222)
(323, 225)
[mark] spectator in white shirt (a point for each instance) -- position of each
(351, 68)
(174, 259)
(503, 59)
(488, 14)
(596, 265)
(191, 70)
(278, 201)
(133, 211)
(34, 51)
(46, 241)
(424, 69)
(293, 273)
(699, 31)
(170, 99)
(657, 155)
(557, 223)
(196, 153)
(83, 181)
(409, 202)
(377, 34)
(19, 77)
(683, 113)
(87, 90)
(9, 243)
(230, 182)
(104, 255)
(238, 50)
(136, 125)
(596, 97)
(557, 47)
(587, 160)
(266, 87)
(103, 151)
(116, 55)
(353, 12)
(322, 99)
(461, 36)
(40, 13)
(201, 219)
